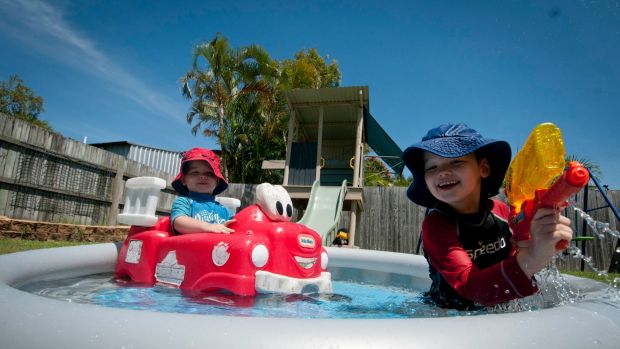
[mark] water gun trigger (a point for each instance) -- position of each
(561, 245)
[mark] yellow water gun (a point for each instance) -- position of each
(538, 177)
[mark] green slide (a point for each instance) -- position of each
(324, 209)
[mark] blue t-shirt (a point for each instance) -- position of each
(202, 207)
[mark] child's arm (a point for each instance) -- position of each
(547, 229)
(189, 225)
(183, 223)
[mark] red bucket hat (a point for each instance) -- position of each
(205, 155)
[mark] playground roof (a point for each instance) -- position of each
(340, 111)
(382, 144)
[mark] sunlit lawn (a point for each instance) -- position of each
(8, 245)
(594, 275)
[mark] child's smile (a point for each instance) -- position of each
(447, 185)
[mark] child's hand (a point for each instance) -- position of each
(547, 228)
(221, 228)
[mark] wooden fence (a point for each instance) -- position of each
(47, 177)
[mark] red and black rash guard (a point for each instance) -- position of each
(471, 258)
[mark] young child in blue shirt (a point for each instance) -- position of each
(198, 181)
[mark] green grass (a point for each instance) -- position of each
(593, 275)
(8, 245)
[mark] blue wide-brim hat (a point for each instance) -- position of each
(454, 141)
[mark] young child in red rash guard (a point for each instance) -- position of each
(473, 261)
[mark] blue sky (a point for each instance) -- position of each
(109, 70)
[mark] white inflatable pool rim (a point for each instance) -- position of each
(31, 321)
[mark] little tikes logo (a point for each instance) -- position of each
(306, 241)
(489, 248)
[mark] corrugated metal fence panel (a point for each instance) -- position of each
(166, 161)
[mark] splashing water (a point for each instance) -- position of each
(599, 229)
(554, 288)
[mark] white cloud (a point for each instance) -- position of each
(41, 27)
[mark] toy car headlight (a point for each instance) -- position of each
(260, 255)
(324, 260)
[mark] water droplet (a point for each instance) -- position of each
(496, 286)
(507, 291)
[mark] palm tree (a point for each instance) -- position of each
(212, 88)
(219, 78)
(238, 96)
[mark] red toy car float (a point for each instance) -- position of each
(266, 254)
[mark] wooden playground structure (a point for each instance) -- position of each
(328, 130)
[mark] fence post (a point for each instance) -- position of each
(117, 190)
(614, 265)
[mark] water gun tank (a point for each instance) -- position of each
(536, 165)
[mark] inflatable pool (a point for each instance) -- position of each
(30, 321)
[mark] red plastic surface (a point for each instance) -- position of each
(195, 255)
(572, 180)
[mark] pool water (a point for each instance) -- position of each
(348, 300)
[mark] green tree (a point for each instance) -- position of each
(309, 70)
(256, 127)
(253, 134)
(376, 173)
(18, 100)
(221, 78)
(401, 181)
(238, 96)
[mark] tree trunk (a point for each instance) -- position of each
(223, 156)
